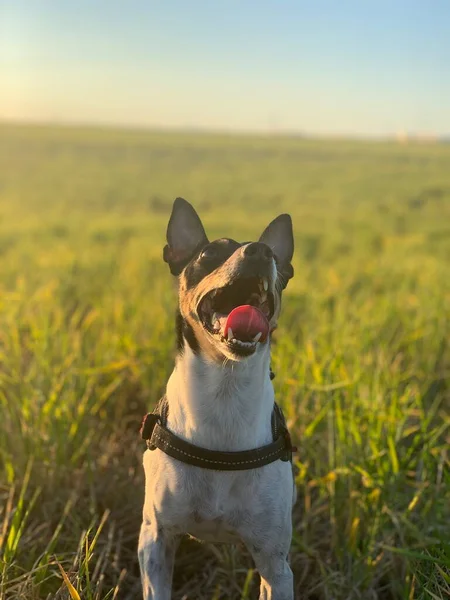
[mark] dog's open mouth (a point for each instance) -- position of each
(239, 313)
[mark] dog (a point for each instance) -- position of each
(219, 461)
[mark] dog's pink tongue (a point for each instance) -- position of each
(246, 322)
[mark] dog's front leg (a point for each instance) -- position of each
(156, 559)
(277, 581)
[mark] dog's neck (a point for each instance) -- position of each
(221, 406)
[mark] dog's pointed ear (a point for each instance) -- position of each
(185, 236)
(279, 236)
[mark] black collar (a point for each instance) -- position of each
(156, 434)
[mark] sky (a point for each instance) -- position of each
(335, 67)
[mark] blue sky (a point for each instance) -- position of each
(321, 67)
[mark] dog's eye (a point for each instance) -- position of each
(209, 252)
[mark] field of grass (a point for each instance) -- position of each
(362, 355)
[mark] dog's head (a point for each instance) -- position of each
(229, 292)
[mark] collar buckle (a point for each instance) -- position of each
(147, 427)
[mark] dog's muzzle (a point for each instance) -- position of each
(238, 314)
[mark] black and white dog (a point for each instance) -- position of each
(218, 465)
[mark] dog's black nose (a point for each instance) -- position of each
(258, 251)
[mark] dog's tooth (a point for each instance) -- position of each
(263, 296)
(230, 334)
(242, 344)
(265, 284)
(245, 344)
(257, 337)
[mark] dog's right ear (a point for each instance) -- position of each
(279, 236)
(185, 236)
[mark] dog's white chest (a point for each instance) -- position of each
(219, 513)
(212, 505)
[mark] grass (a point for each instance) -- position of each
(362, 355)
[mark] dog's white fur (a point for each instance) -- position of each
(220, 406)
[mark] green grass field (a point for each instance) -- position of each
(86, 344)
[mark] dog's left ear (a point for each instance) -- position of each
(185, 236)
(279, 236)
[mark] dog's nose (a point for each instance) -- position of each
(258, 251)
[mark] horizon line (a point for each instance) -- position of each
(397, 136)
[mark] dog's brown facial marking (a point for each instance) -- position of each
(229, 292)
